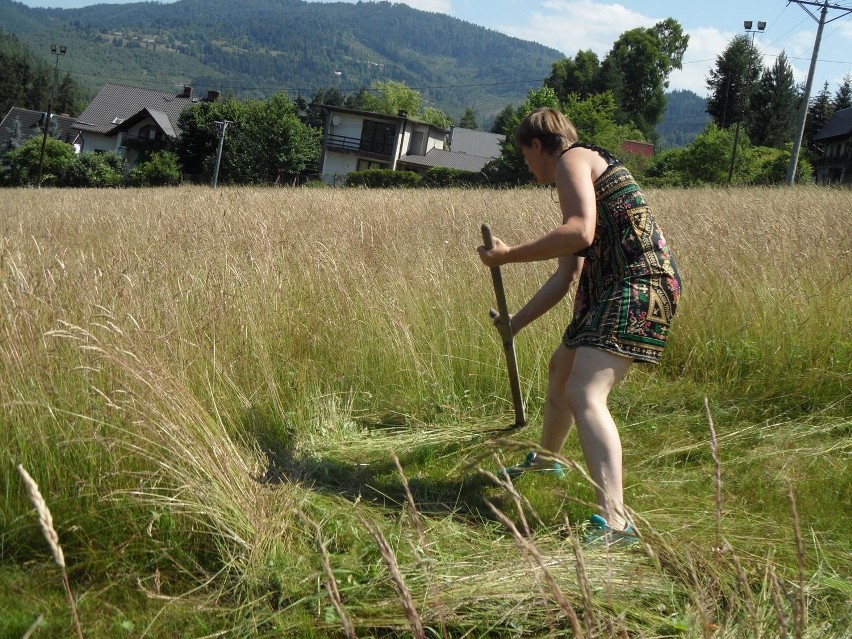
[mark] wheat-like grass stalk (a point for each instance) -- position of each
(529, 548)
(331, 584)
(802, 616)
(45, 520)
(405, 593)
(717, 461)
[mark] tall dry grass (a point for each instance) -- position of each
(183, 369)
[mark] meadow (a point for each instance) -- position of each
(279, 412)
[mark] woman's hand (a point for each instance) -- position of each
(498, 322)
(496, 256)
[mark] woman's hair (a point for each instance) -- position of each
(551, 127)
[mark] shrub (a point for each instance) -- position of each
(383, 179)
(161, 170)
(22, 163)
(96, 170)
(440, 176)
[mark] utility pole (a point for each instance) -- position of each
(761, 25)
(222, 127)
(806, 98)
(57, 50)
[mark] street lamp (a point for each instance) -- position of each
(57, 50)
(761, 25)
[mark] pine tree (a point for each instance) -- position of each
(772, 109)
(468, 120)
(820, 111)
(66, 97)
(731, 81)
(843, 97)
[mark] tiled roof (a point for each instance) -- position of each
(479, 143)
(118, 102)
(30, 128)
(447, 159)
(838, 126)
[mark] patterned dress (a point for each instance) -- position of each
(629, 287)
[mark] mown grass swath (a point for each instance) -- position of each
(270, 411)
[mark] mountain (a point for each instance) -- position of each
(686, 117)
(253, 48)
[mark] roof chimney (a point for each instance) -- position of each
(212, 96)
(187, 92)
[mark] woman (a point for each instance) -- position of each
(626, 297)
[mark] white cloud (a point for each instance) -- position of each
(574, 25)
(438, 6)
(705, 45)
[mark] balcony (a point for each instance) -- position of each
(363, 148)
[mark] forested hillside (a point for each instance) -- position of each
(686, 117)
(258, 47)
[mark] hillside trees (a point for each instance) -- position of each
(26, 80)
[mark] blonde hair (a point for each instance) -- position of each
(550, 126)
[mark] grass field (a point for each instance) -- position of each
(274, 412)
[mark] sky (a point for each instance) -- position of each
(573, 25)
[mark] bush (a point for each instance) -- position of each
(161, 170)
(383, 179)
(21, 164)
(96, 170)
(445, 177)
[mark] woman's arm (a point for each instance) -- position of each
(551, 292)
(575, 185)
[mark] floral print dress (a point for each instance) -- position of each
(629, 287)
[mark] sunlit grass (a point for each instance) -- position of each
(184, 370)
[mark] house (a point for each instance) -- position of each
(645, 149)
(356, 140)
(469, 150)
(27, 124)
(835, 166)
(123, 118)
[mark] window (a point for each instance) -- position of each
(378, 137)
(364, 165)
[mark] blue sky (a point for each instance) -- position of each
(572, 25)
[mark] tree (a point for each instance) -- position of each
(843, 97)
(66, 97)
(637, 68)
(595, 121)
(580, 76)
(510, 169)
(23, 162)
(96, 170)
(468, 120)
(820, 111)
(392, 97)
(317, 107)
(503, 120)
(730, 82)
(771, 118)
(161, 169)
(268, 141)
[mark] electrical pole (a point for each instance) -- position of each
(57, 50)
(805, 103)
(222, 127)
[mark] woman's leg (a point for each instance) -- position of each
(592, 375)
(557, 417)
